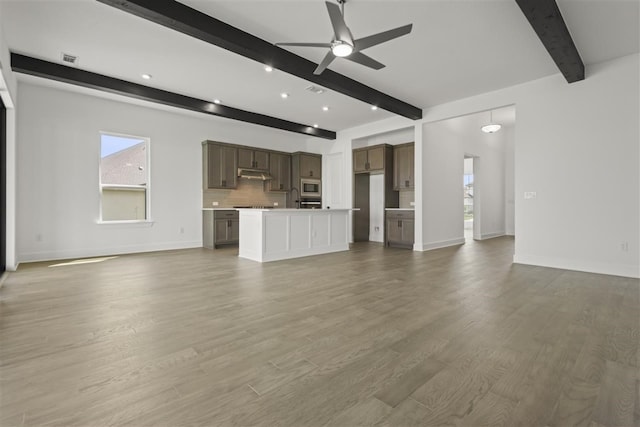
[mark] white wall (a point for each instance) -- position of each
(445, 144)
(509, 181)
(576, 146)
(57, 166)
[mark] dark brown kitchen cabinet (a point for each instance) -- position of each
(220, 227)
(310, 166)
(220, 165)
(253, 159)
(403, 167)
(399, 227)
(280, 171)
(369, 159)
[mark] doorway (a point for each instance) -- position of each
(469, 203)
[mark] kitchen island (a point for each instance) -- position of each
(275, 234)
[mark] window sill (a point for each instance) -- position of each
(129, 223)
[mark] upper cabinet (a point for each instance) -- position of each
(369, 159)
(253, 159)
(220, 165)
(403, 167)
(310, 165)
(280, 171)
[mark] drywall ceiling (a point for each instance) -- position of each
(457, 49)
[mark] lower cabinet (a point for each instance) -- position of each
(220, 227)
(399, 226)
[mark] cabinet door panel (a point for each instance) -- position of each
(274, 171)
(360, 160)
(233, 232)
(284, 171)
(221, 231)
(376, 158)
(394, 231)
(229, 168)
(397, 167)
(310, 166)
(409, 181)
(214, 160)
(407, 231)
(245, 158)
(261, 159)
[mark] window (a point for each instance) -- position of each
(124, 178)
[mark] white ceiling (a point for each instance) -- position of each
(457, 49)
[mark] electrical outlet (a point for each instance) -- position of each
(412, 203)
(624, 246)
(275, 203)
(214, 203)
(530, 195)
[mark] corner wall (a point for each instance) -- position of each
(577, 147)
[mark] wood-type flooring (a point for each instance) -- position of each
(374, 336)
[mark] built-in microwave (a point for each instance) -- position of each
(310, 188)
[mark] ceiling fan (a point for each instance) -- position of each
(345, 46)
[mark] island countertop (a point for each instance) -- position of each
(275, 234)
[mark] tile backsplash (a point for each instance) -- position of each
(406, 197)
(249, 192)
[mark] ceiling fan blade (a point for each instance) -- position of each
(305, 44)
(340, 29)
(325, 63)
(365, 60)
(382, 37)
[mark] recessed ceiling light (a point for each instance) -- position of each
(374, 107)
(315, 125)
(216, 101)
(268, 68)
(325, 108)
(146, 76)
(284, 95)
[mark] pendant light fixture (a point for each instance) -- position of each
(491, 127)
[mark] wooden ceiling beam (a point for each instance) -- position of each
(40, 68)
(182, 18)
(546, 20)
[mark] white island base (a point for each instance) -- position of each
(275, 234)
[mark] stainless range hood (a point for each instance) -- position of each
(254, 174)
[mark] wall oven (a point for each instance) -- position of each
(310, 203)
(310, 188)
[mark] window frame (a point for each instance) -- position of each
(147, 188)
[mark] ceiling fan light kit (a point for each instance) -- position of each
(343, 45)
(341, 49)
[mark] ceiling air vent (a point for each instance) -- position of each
(315, 89)
(69, 59)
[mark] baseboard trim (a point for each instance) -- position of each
(438, 245)
(492, 235)
(118, 250)
(578, 265)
